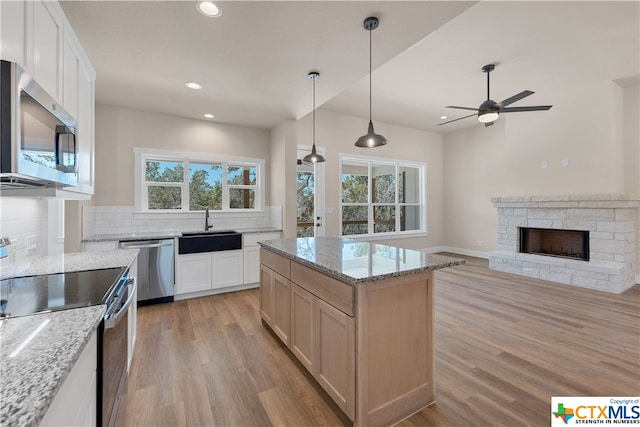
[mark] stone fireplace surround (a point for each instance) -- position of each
(611, 219)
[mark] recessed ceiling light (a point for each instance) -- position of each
(443, 117)
(209, 8)
(209, 116)
(193, 85)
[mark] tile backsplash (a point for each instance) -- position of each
(21, 219)
(99, 220)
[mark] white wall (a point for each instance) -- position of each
(589, 138)
(119, 130)
(337, 133)
(630, 137)
(283, 167)
(474, 171)
(505, 159)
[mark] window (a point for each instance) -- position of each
(381, 196)
(169, 181)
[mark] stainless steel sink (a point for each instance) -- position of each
(209, 241)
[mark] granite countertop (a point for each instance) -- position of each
(75, 261)
(132, 236)
(31, 379)
(164, 234)
(358, 262)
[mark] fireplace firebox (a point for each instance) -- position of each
(572, 244)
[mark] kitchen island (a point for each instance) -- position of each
(359, 317)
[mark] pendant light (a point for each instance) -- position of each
(314, 157)
(371, 139)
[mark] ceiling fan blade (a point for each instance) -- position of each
(488, 124)
(520, 109)
(462, 108)
(455, 120)
(515, 98)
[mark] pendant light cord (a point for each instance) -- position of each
(370, 68)
(314, 114)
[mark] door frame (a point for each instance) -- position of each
(319, 188)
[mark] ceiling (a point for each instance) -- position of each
(253, 60)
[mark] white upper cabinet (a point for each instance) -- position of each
(36, 35)
(85, 130)
(70, 75)
(13, 42)
(47, 43)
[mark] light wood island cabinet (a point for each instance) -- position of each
(359, 317)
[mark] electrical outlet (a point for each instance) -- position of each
(479, 243)
(544, 164)
(565, 162)
(32, 244)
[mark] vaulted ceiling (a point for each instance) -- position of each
(253, 60)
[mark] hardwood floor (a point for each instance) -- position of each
(504, 345)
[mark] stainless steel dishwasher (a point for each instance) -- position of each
(155, 274)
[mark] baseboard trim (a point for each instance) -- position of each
(180, 297)
(459, 251)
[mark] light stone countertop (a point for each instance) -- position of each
(165, 234)
(358, 262)
(152, 235)
(75, 261)
(30, 380)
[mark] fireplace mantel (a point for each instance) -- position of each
(612, 221)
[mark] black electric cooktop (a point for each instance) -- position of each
(22, 296)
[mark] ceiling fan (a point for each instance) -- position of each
(490, 110)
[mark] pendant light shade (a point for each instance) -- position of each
(371, 139)
(314, 157)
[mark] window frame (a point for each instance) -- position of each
(142, 155)
(371, 161)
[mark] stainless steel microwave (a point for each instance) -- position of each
(38, 144)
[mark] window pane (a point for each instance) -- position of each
(355, 188)
(241, 198)
(354, 220)
(159, 171)
(408, 185)
(164, 197)
(205, 186)
(384, 183)
(384, 219)
(409, 218)
(241, 175)
(305, 205)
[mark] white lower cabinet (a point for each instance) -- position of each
(227, 269)
(193, 273)
(251, 264)
(75, 403)
(209, 270)
(251, 251)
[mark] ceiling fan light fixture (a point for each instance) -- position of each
(371, 139)
(488, 116)
(314, 157)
